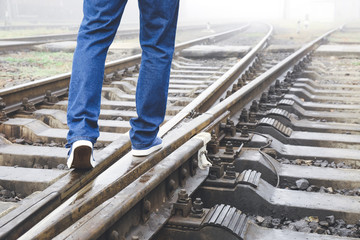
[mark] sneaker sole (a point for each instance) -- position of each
(82, 156)
(143, 153)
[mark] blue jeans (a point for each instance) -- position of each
(158, 19)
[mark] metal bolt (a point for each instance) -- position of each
(27, 106)
(136, 68)
(254, 66)
(295, 69)
(48, 93)
(114, 235)
(244, 131)
(213, 146)
(229, 127)
(271, 90)
(228, 93)
(197, 206)
(217, 160)
(3, 116)
(125, 72)
(263, 101)
(243, 78)
(229, 122)
(50, 98)
(240, 83)
(262, 107)
(193, 166)
(277, 83)
(252, 117)
(302, 64)
(147, 206)
(212, 176)
(263, 98)
(230, 172)
(195, 163)
(2, 103)
(116, 76)
(254, 106)
(293, 75)
(183, 173)
(244, 117)
(171, 185)
(273, 99)
(234, 88)
(183, 197)
(248, 75)
(213, 135)
(229, 148)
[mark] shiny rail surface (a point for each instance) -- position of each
(18, 43)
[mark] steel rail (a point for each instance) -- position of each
(7, 44)
(35, 91)
(25, 216)
(43, 38)
(136, 191)
(99, 223)
(62, 37)
(237, 101)
(213, 92)
(22, 42)
(23, 27)
(72, 210)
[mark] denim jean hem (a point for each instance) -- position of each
(142, 146)
(77, 138)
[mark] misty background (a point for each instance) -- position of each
(69, 12)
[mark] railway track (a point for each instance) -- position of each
(21, 43)
(282, 141)
(123, 95)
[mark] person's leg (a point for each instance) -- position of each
(158, 19)
(96, 33)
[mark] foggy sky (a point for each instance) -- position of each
(195, 11)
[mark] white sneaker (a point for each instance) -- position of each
(81, 155)
(155, 146)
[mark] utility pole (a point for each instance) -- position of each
(285, 9)
(7, 18)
